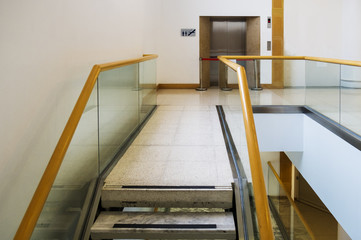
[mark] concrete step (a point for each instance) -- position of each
(178, 225)
(167, 196)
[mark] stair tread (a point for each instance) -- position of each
(167, 196)
(169, 225)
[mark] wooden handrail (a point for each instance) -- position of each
(265, 57)
(259, 188)
(261, 201)
(291, 201)
(112, 65)
(335, 61)
(36, 205)
(317, 59)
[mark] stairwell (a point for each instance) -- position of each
(178, 166)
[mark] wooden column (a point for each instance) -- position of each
(277, 44)
(253, 47)
(286, 172)
(204, 48)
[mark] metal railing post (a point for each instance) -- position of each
(258, 84)
(201, 88)
(225, 87)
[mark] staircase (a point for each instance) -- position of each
(209, 218)
(178, 225)
(177, 168)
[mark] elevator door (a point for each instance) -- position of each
(228, 37)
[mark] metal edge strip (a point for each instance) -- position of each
(240, 179)
(94, 205)
(346, 134)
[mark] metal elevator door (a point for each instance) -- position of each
(228, 37)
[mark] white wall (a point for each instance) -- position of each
(322, 28)
(331, 167)
(179, 56)
(328, 163)
(312, 28)
(289, 137)
(351, 38)
(351, 33)
(47, 51)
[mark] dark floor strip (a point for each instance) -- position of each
(279, 109)
(169, 187)
(180, 226)
(241, 217)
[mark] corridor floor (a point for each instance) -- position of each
(179, 146)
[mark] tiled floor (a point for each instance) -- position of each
(180, 145)
(184, 134)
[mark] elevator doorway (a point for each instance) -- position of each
(226, 36)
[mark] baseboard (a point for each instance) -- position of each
(233, 85)
(271, 86)
(177, 86)
(187, 86)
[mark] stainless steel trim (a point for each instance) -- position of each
(242, 202)
(346, 134)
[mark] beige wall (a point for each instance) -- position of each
(47, 51)
(179, 56)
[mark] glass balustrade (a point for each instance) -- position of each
(290, 224)
(121, 99)
(323, 88)
(350, 98)
(333, 90)
(68, 201)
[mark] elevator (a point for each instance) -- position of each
(227, 36)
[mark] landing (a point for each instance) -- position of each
(179, 146)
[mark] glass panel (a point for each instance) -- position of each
(147, 88)
(114, 110)
(284, 211)
(118, 109)
(290, 72)
(351, 98)
(234, 117)
(323, 88)
(67, 205)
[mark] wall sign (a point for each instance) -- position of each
(188, 32)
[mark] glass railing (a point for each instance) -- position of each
(126, 97)
(66, 206)
(330, 88)
(124, 94)
(290, 223)
(327, 86)
(235, 122)
(240, 122)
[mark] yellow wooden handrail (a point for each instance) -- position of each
(291, 201)
(317, 59)
(259, 188)
(36, 205)
(336, 61)
(261, 202)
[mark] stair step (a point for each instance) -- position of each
(167, 196)
(177, 225)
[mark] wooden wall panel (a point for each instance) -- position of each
(286, 172)
(277, 43)
(253, 47)
(204, 48)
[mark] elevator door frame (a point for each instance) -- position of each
(253, 46)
